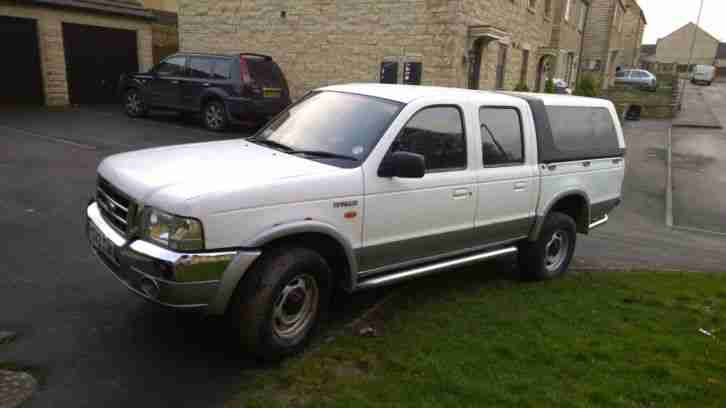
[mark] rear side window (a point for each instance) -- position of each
(437, 133)
(201, 67)
(265, 72)
(582, 133)
(222, 68)
(501, 136)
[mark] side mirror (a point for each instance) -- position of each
(404, 165)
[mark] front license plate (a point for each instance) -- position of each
(100, 243)
(271, 93)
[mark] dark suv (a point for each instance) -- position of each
(223, 88)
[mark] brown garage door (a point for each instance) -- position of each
(95, 59)
(20, 67)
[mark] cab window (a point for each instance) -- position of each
(437, 133)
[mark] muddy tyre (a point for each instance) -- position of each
(549, 256)
(281, 301)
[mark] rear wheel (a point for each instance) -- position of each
(215, 116)
(133, 104)
(549, 256)
(281, 302)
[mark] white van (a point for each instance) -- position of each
(703, 74)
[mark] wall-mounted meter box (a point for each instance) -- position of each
(389, 72)
(412, 73)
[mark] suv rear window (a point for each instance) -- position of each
(265, 72)
(580, 133)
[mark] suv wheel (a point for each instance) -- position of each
(281, 302)
(134, 104)
(215, 116)
(550, 256)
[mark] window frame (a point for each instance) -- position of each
(567, 10)
(521, 136)
(462, 118)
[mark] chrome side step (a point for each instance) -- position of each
(599, 222)
(377, 281)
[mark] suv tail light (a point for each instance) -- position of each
(249, 87)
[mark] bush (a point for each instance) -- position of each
(588, 86)
(521, 87)
(550, 86)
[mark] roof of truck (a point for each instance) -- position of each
(408, 93)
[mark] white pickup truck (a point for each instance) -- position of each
(354, 187)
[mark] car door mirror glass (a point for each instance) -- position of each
(403, 165)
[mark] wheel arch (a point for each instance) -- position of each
(319, 236)
(575, 203)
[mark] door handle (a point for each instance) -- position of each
(550, 167)
(520, 186)
(174, 81)
(206, 84)
(461, 193)
(586, 164)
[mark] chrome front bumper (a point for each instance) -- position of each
(204, 280)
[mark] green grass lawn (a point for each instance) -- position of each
(464, 340)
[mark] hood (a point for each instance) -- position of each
(167, 176)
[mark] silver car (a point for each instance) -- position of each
(639, 78)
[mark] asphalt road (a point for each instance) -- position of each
(95, 344)
(699, 167)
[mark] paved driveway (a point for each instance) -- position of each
(96, 345)
(699, 166)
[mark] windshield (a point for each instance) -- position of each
(338, 124)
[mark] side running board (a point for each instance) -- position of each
(376, 281)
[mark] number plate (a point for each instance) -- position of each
(100, 243)
(271, 92)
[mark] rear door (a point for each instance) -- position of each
(205, 73)
(165, 88)
(506, 184)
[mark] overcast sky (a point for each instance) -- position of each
(666, 16)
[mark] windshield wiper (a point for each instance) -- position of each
(321, 153)
(271, 143)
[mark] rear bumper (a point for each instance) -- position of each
(203, 281)
(245, 108)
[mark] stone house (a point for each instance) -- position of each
(604, 39)
(721, 61)
(675, 48)
(165, 28)
(569, 23)
(480, 44)
(71, 51)
(633, 30)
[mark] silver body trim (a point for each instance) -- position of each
(428, 269)
(599, 222)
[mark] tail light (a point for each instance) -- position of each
(249, 87)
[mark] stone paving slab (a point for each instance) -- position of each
(696, 112)
(15, 388)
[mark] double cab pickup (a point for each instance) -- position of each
(355, 187)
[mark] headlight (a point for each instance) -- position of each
(173, 232)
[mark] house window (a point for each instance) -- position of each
(567, 10)
(548, 8)
(525, 66)
(533, 4)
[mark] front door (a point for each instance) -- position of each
(165, 89)
(409, 220)
(507, 185)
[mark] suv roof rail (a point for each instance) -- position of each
(252, 54)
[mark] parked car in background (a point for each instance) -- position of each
(223, 88)
(355, 187)
(561, 87)
(703, 74)
(638, 78)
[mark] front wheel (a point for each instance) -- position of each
(281, 302)
(549, 256)
(215, 116)
(134, 104)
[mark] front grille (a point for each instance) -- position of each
(116, 207)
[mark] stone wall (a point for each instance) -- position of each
(662, 104)
(50, 38)
(528, 28)
(604, 39)
(567, 38)
(322, 42)
(633, 30)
